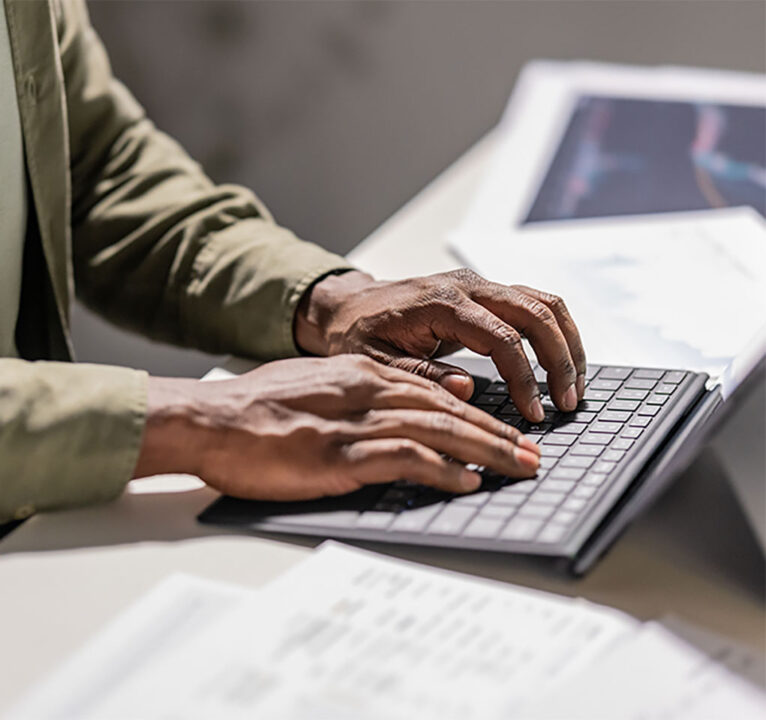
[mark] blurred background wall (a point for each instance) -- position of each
(337, 112)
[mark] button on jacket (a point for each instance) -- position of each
(119, 213)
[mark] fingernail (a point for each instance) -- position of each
(524, 442)
(580, 383)
(528, 460)
(469, 481)
(536, 410)
(458, 384)
(570, 398)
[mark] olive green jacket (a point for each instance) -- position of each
(120, 214)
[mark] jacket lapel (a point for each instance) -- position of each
(40, 91)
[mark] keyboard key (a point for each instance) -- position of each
(591, 394)
(564, 517)
(372, 520)
(639, 421)
(500, 499)
(613, 455)
(632, 394)
(520, 528)
(417, 520)
(650, 410)
(605, 427)
(536, 510)
(599, 384)
(482, 527)
(474, 499)
(524, 486)
(649, 374)
(487, 399)
(558, 440)
(631, 433)
(590, 438)
(561, 486)
(629, 405)
(591, 371)
(581, 416)
(553, 450)
(673, 376)
(451, 520)
(497, 512)
(639, 384)
(552, 533)
(665, 389)
(584, 491)
(567, 473)
(571, 428)
(619, 416)
(657, 399)
(614, 373)
(603, 467)
(578, 461)
(574, 504)
(547, 497)
(547, 462)
(587, 450)
(497, 388)
(591, 405)
(593, 478)
(622, 444)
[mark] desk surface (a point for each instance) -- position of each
(64, 575)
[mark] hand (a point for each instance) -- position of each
(308, 427)
(402, 323)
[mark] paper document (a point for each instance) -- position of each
(349, 634)
(684, 290)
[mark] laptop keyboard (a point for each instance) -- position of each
(581, 453)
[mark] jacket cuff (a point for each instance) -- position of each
(70, 434)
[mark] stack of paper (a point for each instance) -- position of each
(348, 634)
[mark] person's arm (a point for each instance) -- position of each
(69, 434)
(157, 246)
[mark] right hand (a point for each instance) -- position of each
(304, 428)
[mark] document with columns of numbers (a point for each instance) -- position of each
(350, 634)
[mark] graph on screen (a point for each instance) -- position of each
(621, 156)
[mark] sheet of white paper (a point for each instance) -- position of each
(349, 634)
(345, 634)
(683, 290)
(159, 625)
(654, 675)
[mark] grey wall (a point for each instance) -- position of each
(336, 113)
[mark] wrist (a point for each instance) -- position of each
(320, 304)
(174, 439)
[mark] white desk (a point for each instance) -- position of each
(63, 575)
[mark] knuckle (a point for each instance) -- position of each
(557, 303)
(442, 423)
(407, 452)
(540, 312)
(466, 277)
(507, 335)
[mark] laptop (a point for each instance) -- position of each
(634, 432)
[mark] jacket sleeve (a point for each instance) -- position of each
(69, 434)
(157, 247)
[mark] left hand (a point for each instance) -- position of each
(405, 324)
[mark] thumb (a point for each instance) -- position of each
(453, 379)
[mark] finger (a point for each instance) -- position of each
(386, 460)
(541, 327)
(451, 435)
(453, 379)
(485, 333)
(404, 396)
(569, 328)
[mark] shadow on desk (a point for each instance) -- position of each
(694, 543)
